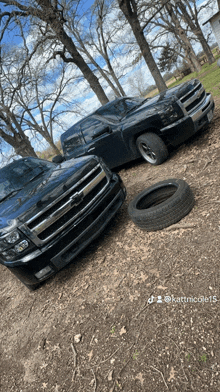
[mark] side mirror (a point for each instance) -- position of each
(58, 159)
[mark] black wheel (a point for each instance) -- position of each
(161, 205)
(152, 148)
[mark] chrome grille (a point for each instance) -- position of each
(194, 98)
(68, 207)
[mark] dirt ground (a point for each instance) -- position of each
(127, 343)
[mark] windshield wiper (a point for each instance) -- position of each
(10, 194)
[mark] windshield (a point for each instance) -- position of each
(19, 173)
(115, 111)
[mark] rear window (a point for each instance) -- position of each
(71, 139)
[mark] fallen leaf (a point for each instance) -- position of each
(172, 374)
(123, 330)
(143, 277)
(140, 378)
(110, 375)
(90, 355)
(77, 338)
(155, 272)
(162, 287)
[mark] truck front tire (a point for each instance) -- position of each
(152, 148)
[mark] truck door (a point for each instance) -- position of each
(104, 140)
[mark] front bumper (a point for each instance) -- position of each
(181, 130)
(75, 240)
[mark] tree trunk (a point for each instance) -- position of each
(196, 29)
(190, 54)
(189, 61)
(117, 93)
(24, 148)
(186, 44)
(53, 17)
(51, 143)
(128, 7)
(104, 52)
(81, 64)
(114, 77)
(16, 136)
(20, 143)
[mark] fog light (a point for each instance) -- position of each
(8, 255)
(21, 246)
(40, 274)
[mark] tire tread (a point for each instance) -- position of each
(166, 213)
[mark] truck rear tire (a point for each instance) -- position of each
(152, 148)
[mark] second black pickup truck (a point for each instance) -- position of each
(128, 128)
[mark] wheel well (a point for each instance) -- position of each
(150, 130)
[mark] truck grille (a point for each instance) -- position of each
(193, 98)
(68, 207)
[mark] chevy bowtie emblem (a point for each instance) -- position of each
(198, 94)
(76, 199)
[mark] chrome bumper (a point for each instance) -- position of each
(203, 109)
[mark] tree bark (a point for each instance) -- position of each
(79, 61)
(15, 136)
(84, 50)
(186, 44)
(50, 141)
(53, 16)
(20, 143)
(104, 51)
(129, 9)
(23, 147)
(192, 22)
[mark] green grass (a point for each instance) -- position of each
(209, 77)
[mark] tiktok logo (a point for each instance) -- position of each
(151, 299)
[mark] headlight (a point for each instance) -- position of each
(12, 237)
(14, 244)
(170, 114)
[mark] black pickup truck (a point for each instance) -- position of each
(50, 212)
(128, 128)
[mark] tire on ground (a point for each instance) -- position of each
(152, 148)
(161, 205)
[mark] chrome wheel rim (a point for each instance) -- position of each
(147, 153)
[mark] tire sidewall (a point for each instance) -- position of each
(180, 187)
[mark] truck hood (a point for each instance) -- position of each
(174, 92)
(39, 193)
